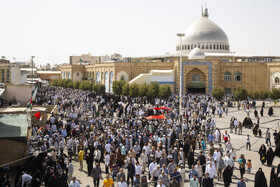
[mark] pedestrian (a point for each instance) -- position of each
(270, 156)
(260, 179)
(207, 181)
(194, 181)
(74, 183)
(242, 163)
(241, 183)
(96, 174)
(267, 137)
(122, 183)
(249, 166)
(262, 153)
(227, 176)
(248, 143)
(108, 182)
(81, 158)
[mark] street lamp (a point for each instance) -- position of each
(181, 35)
(32, 81)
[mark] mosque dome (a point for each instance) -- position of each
(206, 35)
(196, 54)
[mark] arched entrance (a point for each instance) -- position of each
(196, 81)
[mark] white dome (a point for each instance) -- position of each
(206, 35)
(196, 54)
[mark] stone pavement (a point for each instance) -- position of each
(238, 141)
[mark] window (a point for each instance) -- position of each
(98, 78)
(3, 76)
(238, 77)
(188, 47)
(196, 78)
(214, 46)
(122, 78)
(192, 46)
(276, 80)
(202, 46)
(210, 47)
(8, 76)
(227, 76)
(78, 74)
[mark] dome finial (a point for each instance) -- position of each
(205, 11)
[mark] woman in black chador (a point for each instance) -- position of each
(270, 111)
(260, 180)
(262, 153)
(269, 156)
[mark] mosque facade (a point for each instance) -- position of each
(206, 62)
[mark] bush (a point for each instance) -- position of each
(275, 93)
(125, 89)
(165, 91)
(240, 93)
(54, 82)
(117, 87)
(264, 94)
(218, 92)
(134, 90)
(70, 84)
(153, 90)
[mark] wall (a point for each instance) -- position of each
(16, 76)
(21, 92)
(11, 150)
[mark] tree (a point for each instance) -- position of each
(55, 82)
(85, 85)
(275, 93)
(218, 92)
(240, 93)
(95, 88)
(142, 89)
(165, 91)
(101, 89)
(117, 87)
(125, 89)
(134, 90)
(153, 90)
(70, 84)
(254, 95)
(76, 84)
(264, 94)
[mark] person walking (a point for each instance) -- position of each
(241, 183)
(96, 174)
(227, 176)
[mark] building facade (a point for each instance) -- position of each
(207, 62)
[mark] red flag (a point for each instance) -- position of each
(37, 115)
(156, 117)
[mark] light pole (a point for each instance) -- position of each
(32, 81)
(180, 35)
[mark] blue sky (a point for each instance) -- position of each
(52, 30)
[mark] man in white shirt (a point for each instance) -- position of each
(160, 184)
(216, 154)
(122, 183)
(152, 166)
(228, 146)
(107, 162)
(108, 147)
(138, 169)
(74, 183)
(26, 179)
(211, 170)
(144, 161)
(229, 162)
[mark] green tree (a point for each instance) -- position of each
(70, 84)
(142, 89)
(76, 84)
(134, 90)
(153, 90)
(85, 85)
(264, 94)
(95, 87)
(101, 89)
(54, 82)
(275, 93)
(165, 91)
(125, 89)
(218, 92)
(117, 87)
(254, 95)
(240, 93)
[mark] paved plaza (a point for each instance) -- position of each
(238, 141)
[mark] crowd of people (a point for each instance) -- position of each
(185, 148)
